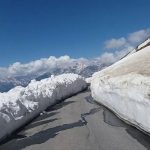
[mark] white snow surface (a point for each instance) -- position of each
(88, 80)
(125, 88)
(144, 44)
(20, 104)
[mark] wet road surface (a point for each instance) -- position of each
(78, 123)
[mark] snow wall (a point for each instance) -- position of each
(20, 105)
(125, 88)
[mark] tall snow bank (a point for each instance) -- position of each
(125, 88)
(20, 104)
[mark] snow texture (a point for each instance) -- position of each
(88, 80)
(20, 104)
(125, 88)
(147, 42)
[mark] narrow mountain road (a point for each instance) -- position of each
(78, 124)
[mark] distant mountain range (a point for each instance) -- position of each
(85, 70)
(56, 66)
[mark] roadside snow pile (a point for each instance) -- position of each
(88, 80)
(20, 104)
(125, 88)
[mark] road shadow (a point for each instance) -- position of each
(52, 110)
(35, 124)
(141, 137)
(41, 137)
(59, 105)
(40, 120)
(44, 116)
(111, 119)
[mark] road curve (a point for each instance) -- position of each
(78, 124)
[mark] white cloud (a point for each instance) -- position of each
(38, 66)
(107, 57)
(115, 43)
(132, 40)
(43, 65)
(110, 58)
(122, 45)
(139, 36)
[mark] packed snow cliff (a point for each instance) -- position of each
(124, 87)
(20, 104)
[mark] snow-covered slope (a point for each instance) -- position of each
(144, 44)
(140, 47)
(20, 104)
(124, 87)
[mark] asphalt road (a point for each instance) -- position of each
(78, 124)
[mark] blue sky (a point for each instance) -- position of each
(32, 29)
